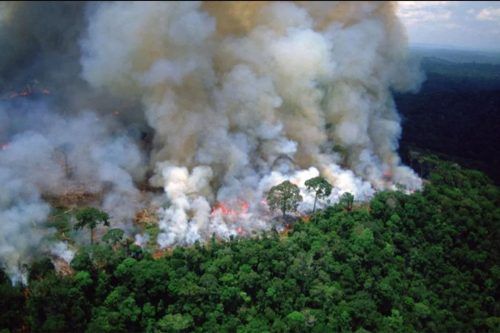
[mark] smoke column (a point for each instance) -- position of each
(237, 97)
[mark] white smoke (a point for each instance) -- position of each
(188, 209)
(63, 251)
(141, 240)
(243, 96)
(237, 96)
(21, 214)
(50, 156)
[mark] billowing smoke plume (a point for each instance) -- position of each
(233, 90)
(50, 156)
(237, 97)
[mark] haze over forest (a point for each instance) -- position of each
(249, 167)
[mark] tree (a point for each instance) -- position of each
(321, 188)
(12, 305)
(90, 217)
(113, 236)
(175, 323)
(285, 196)
(346, 200)
(380, 268)
(296, 320)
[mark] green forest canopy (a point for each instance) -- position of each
(425, 262)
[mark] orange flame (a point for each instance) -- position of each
(225, 210)
(287, 228)
(28, 91)
(230, 213)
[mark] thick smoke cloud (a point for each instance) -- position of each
(49, 156)
(236, 97)
(288, 80)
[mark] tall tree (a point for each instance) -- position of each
(285, 196)
(90, 217)
(347, 200)
(321, 188)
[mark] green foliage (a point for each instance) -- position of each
(113, 236)
(60, 220)
(12, 307)
(285, 196)
(455, 114)
(39, 269)
(321, 188)
(90, 217)
(346, 201)
(175, 323)
(296, 320)
(425, 262)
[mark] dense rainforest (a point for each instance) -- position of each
(456, 113)
(424, 262)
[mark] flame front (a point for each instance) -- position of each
(225, 210)
(199, 101)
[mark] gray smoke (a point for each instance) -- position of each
(50, 156)
(236, 98)
(232, 88)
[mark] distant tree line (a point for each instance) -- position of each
(456, 113)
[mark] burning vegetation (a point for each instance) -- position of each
(179, 126)
(33, 90)
(227, 211)
(177, 130)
